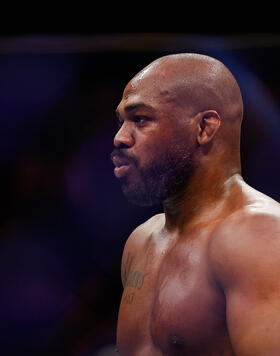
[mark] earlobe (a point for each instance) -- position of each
(208, 125)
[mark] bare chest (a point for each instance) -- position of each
(171, 304)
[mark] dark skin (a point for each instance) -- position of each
(201, 278)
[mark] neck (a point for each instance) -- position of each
(204, 196)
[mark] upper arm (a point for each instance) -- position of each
(247, 263)
(136, 243)
(128, 255)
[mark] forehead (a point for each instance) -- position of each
(149, 89)
(144, 84)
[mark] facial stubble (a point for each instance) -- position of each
(163, 178)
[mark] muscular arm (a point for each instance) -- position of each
(246, 259)
(136, 245)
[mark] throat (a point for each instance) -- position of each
(197, 202)
(183, 207)
(174, 205)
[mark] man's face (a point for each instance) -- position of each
(153, 147)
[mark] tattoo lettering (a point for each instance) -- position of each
(126, 267)
(132, 278)
(128, 298)
(136, 279)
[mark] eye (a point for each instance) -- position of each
(140, 120)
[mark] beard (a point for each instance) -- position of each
(164, 177)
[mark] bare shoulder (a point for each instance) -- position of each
(248, 239)
(140, 236)
(137, 243)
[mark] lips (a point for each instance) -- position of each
(121, 171)
(122, 166)
(120, 161)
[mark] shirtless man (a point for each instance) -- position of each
(203, 277)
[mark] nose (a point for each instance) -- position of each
(124, 137)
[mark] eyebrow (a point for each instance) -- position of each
(135, 106)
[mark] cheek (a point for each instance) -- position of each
(162, 143)
(159, 151)
(148, 147)
(148, 153)
(185, 139)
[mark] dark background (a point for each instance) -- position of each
(64, 220)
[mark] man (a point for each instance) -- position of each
(203, 277)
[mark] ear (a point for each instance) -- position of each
(209, 122)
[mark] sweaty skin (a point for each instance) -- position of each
(200, 279)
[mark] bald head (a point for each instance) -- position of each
(195, 81)
(180, 117)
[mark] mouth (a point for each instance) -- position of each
(122, 166)
(121, 171)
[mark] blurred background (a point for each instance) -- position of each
(64, 221)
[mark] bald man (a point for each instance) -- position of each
(202, 278)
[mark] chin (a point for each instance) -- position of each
(139, 195)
